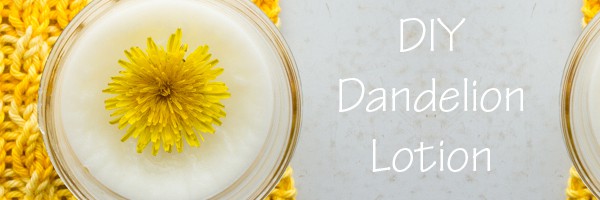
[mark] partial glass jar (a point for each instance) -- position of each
(580, 106)
(274, 155)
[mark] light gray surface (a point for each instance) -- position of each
(511, 43)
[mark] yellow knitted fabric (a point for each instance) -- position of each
(28, 29)
(576, 190)
(271, 9)
(589, 10)
(285, 190)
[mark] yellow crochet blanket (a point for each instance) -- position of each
(28, 29)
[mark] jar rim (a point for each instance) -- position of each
(568, 92)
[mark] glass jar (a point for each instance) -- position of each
(256, 181)
(580, 106)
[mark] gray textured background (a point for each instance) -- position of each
(510, 43)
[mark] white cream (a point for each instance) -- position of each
(592, 58)
(197, 172)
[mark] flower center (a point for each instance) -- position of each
(164, 99)
(164, 89)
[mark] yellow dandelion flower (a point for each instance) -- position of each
(162, 97)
